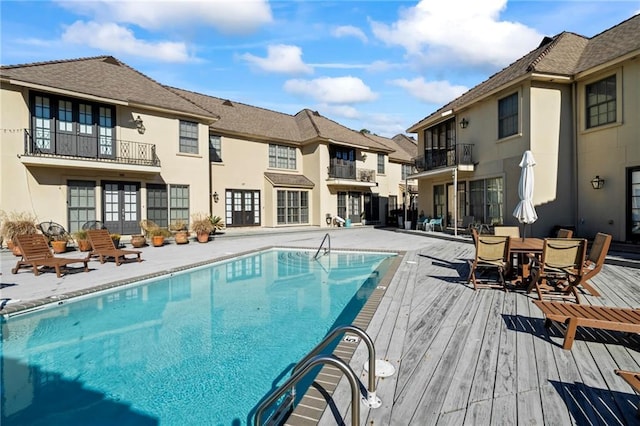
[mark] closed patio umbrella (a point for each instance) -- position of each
(524, 211)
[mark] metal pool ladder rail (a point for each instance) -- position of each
(311, 360)
(326, 238)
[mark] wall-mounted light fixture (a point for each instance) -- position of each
(216, 197)
(139, 125)
(464, 123)
(364, 156)
(597, 182)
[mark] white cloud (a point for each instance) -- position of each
(116, 39)
(344, 111)
(338, 90)
(465, 31)
(227, 16)
(349, 31)
(435, 92)
(280, 58)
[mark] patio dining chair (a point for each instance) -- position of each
(435, 222)
(492, 254)
(564, 233)
(594, 261)
(559, 269)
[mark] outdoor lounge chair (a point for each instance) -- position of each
(36, 253)
(601, 317)
(102, 247)
(492, 252)
(556, 274)
(632, 378)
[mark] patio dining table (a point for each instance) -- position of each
(521, 247)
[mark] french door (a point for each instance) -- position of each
(633, 204)
(242, 207)
(121, 207)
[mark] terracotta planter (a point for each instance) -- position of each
(203, 237)
(138, 241)
(59, 246)
(157, 240)
(182, 237)
(14, 248)
(84, 245)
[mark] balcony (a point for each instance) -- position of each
(458, 155)
(343, 172)
(86, 151)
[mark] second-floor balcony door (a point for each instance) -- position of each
(122, 207)
(106, 142)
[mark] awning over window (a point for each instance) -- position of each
(289, 181)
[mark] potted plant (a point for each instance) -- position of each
(158, 235)
(180, 231)
(59, 243)
(116, 239)
(81, 239)
(138, 240)
(216, 222)
(16, 223)
(201, 224)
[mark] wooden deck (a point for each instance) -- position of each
(484, 357)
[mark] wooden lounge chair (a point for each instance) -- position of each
(594, 261)
(492, 252)
(102, 247)
(633, 379)
(556, 274)
(602, 317)
(36, 253)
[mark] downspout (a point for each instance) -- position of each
(574, 137)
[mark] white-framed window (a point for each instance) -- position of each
(178, 203)
(508, 116)
(188, 137)
(381, 164)
(215, 148)
(601, 99)
(407, 169)
(282, 157)
(65, 116)
(293, 207)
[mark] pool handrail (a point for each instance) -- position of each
(301, 372)
(327, 238)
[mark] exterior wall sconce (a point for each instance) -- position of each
(597, 182)
(364, 156)
(139, 125)
(216, 197)
(464, 123)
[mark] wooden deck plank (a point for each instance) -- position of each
(504, 411)
(526, 360)
(529, 404)
(506, 374)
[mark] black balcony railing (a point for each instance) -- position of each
(460, 154)
(341, 169)
(50, 144)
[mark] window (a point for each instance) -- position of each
(105, 131)
(381, 164)
(407, 169)
(293, 207)
(486, 200)
(393, 202)
(81, 201)
(188, 137)
(282, 157)
(65, 116)
(158, 205)
(179, 203)
(508, 116)
(440, 140)
(42, 123)
(439, 201)
(85, 119)
(601, 102)
(215, 149)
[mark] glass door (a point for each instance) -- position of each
(633, 205)
(121, 206)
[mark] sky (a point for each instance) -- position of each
(375, 65)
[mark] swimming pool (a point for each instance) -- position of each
(199, 347)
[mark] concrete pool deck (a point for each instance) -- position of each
(462, 356)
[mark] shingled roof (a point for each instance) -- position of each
(104, 77)
(564, 55)
(404, 148)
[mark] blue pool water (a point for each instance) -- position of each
(201, 347)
